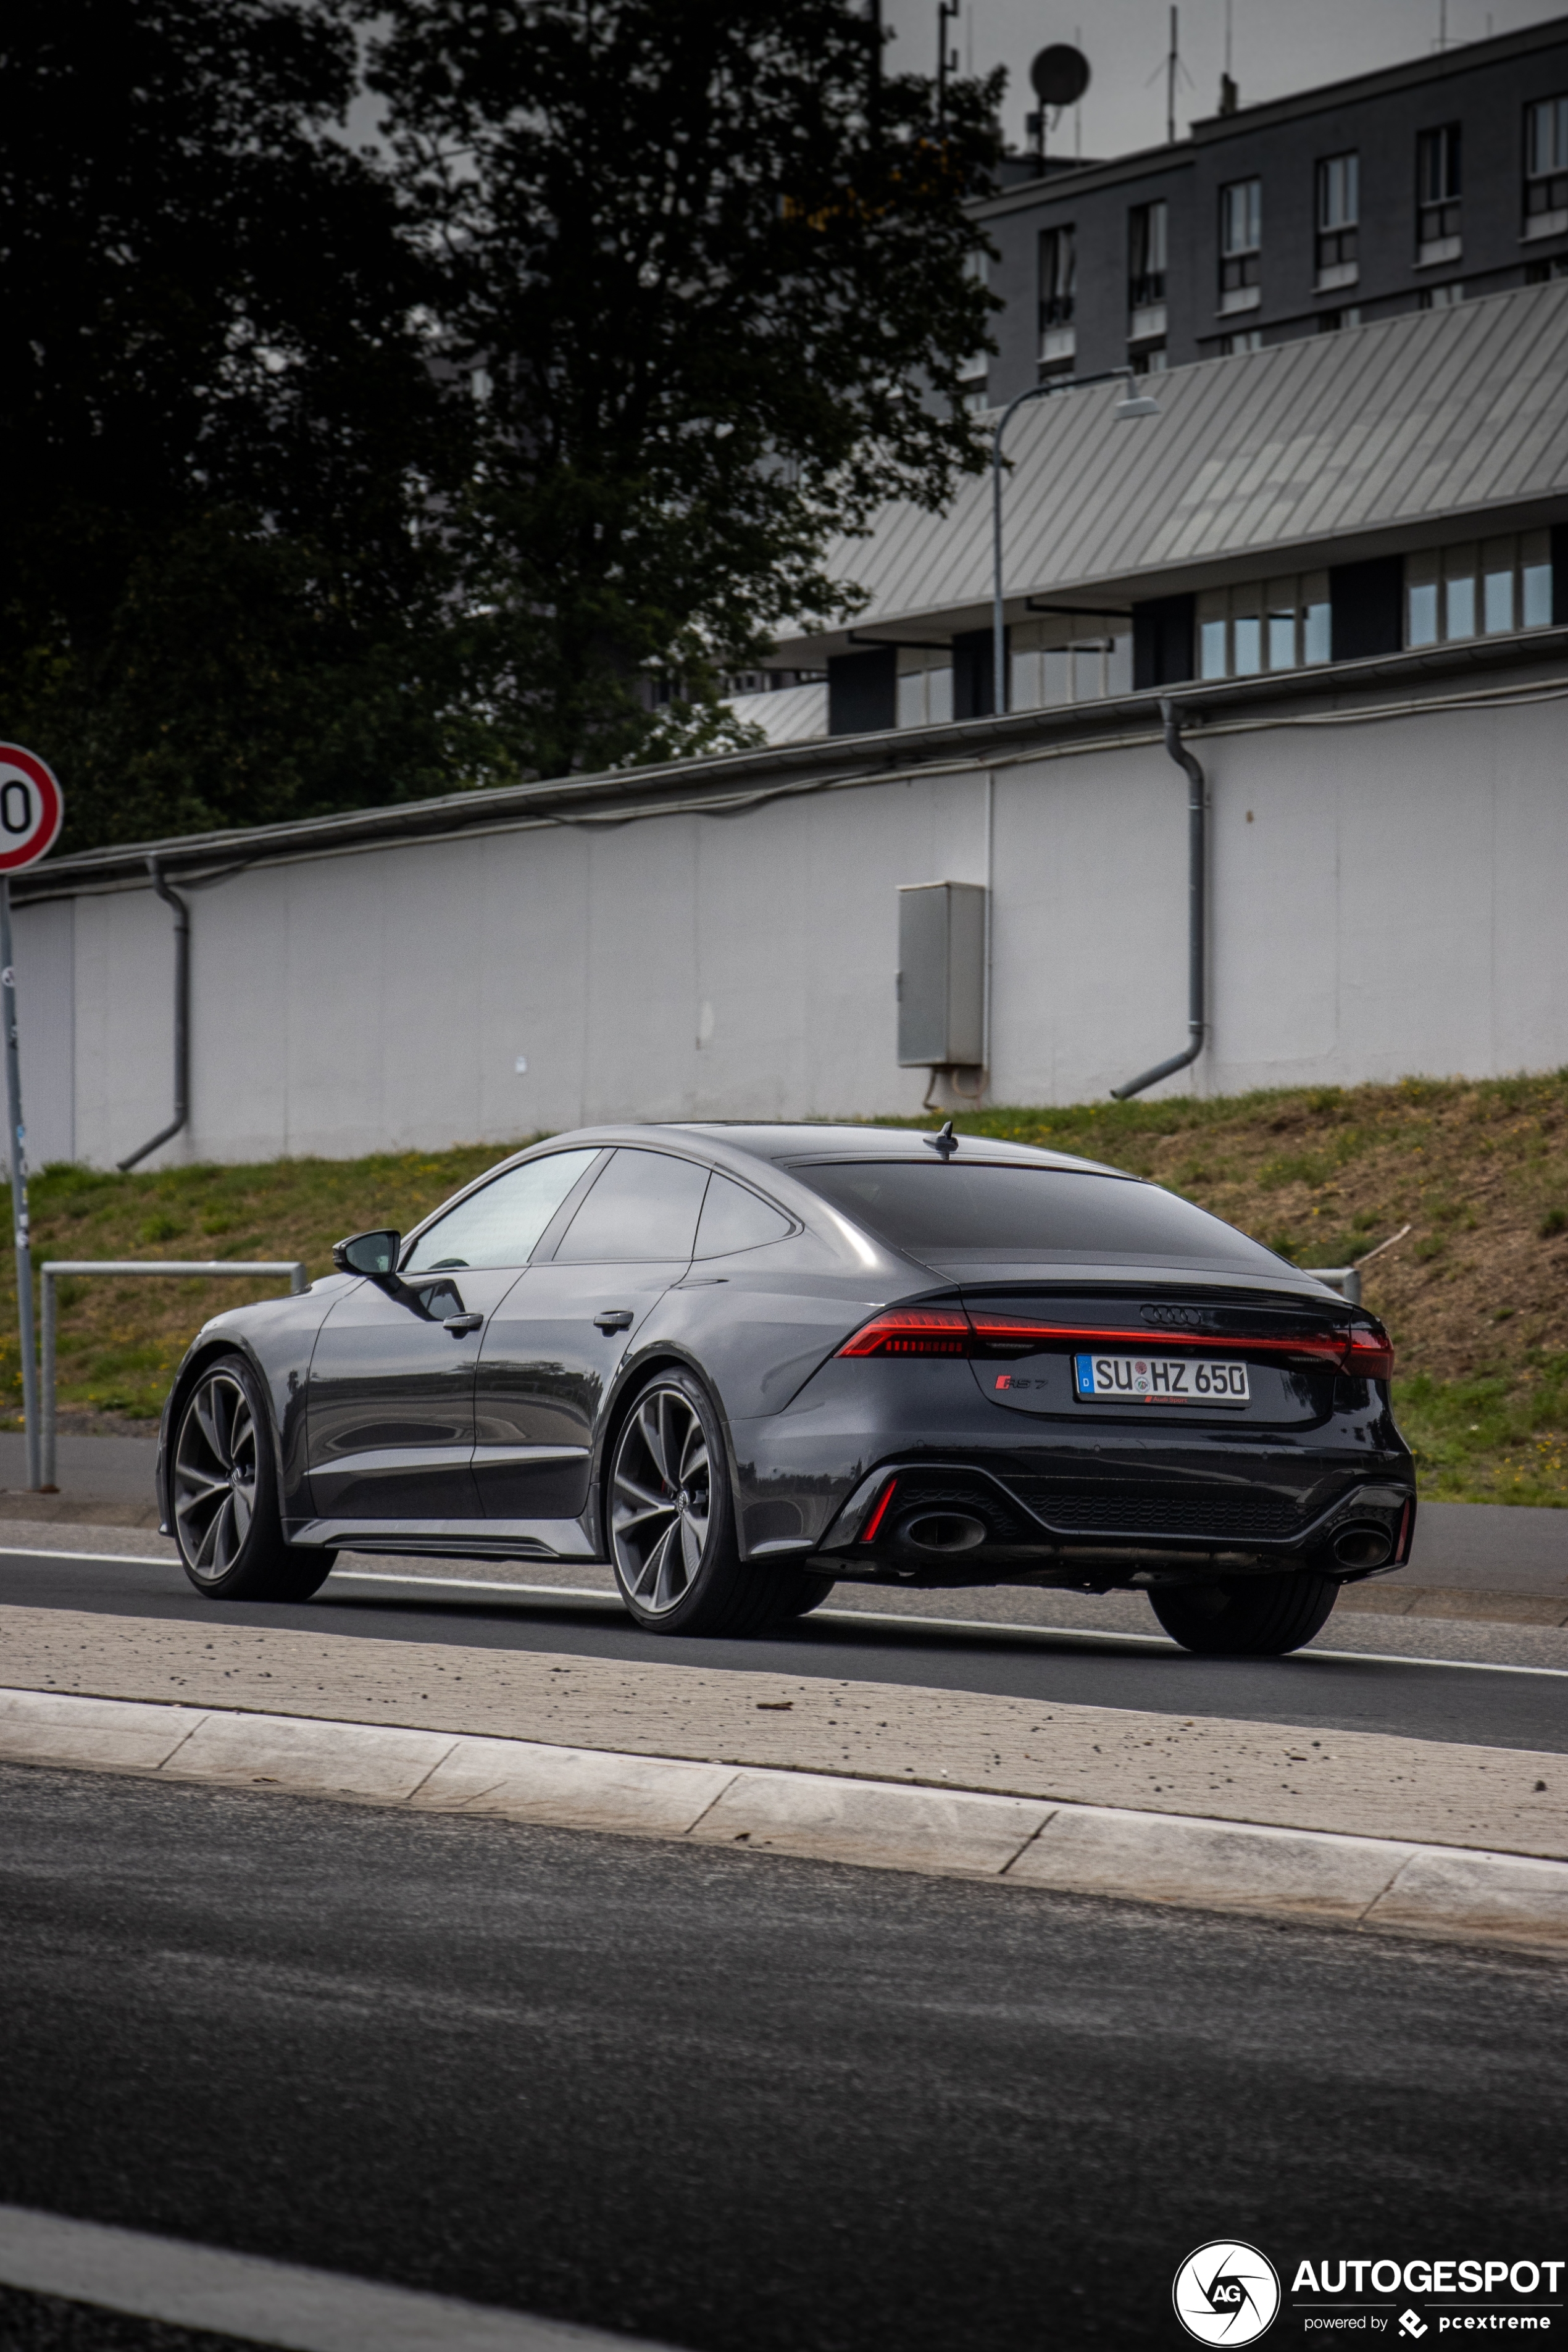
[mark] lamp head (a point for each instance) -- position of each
(1135, 403)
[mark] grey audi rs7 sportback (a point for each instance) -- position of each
(741, 1363)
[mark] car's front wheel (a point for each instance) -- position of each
(671, 1519)
(223, 1493)
(1247, 1616)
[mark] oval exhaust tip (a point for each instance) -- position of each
(1362, 1547)
(943, 1532)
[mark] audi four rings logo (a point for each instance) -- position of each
(1226, 2292)
(1177, 1318)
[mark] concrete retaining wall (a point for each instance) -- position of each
(1386, 898)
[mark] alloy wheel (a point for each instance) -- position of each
(215, 1463)
(661, 1497)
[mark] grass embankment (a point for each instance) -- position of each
(1476, 1295)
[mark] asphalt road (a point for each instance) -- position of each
(733, 2102)
(1490, 1706)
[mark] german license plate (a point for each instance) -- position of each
(1159, 1380)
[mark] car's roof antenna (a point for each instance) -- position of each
(946, 1142)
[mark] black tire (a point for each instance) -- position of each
(1246, 1616)
(223, 1493)
(670, 1517)
(799, 1592)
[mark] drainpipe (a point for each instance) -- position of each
(1197, 828)
(182, 1016)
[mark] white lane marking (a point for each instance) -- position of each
(119, 1559)
(1085, 1633)
(899, 1622)
(263, 2302)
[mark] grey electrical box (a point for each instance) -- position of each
(942, 976)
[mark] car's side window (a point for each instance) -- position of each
(500, 1223)
(643, 1207)
(733, 1219)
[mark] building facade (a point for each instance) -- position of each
(1391, 489)
(1413, 188)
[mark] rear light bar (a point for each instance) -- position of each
(1363, 1350)
(913, 1331)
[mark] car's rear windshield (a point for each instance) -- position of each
(1014, 1214)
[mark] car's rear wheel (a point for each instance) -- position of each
(801, 1592)
(671, 1519)
(223, 1493)
(1247, 1616)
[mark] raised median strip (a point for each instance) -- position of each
(255, 2301)
(1353, 1882)
(1282, 1775)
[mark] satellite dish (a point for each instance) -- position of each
(1059, 75)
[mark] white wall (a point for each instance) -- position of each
(1391, 904)
(42, 942)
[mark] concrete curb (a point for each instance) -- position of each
(1359, 1883)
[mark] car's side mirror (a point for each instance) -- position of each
(373, 1254)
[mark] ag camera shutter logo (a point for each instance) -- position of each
(1226, 2292)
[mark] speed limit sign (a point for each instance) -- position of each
(31, 808)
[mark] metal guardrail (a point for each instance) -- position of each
(1345, 1279)
(201, 1269)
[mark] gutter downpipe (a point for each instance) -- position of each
(182, 1017)
(1197, 928)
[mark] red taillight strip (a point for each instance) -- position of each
(912, 1331)
(869, 1532)
(1329, 1346)
(1363, 1349)
(1370, 1354)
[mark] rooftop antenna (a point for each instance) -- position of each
(1077, 107)
(1175, 72)
(944, 1143)
(946, 58)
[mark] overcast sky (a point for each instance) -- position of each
(1277, 46)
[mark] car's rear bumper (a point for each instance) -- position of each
(953, 1524)
(1069, 1498)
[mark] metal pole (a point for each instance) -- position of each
(48, 1306)
(1197, 910)
(182, 1019)
(19, 1190)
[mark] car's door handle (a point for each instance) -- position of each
(460, 1323)
(614, 1319)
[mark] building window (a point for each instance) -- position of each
(1057, 294)
(1338, 217)
(1440, 298)
(1269, 624)
(1148, 359)
(1240, 245)
(1147, 231)
(973, 374)
(1331, 321)
(1483, 588)
(1541, 273)
(1438, 187)
(1246, 339)
(1068, 657)
(925, 686)
(1546, 167)
(1146, 234)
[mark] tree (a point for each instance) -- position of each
(222, 599)
(709, 280)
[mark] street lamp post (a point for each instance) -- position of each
(1131, 404)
